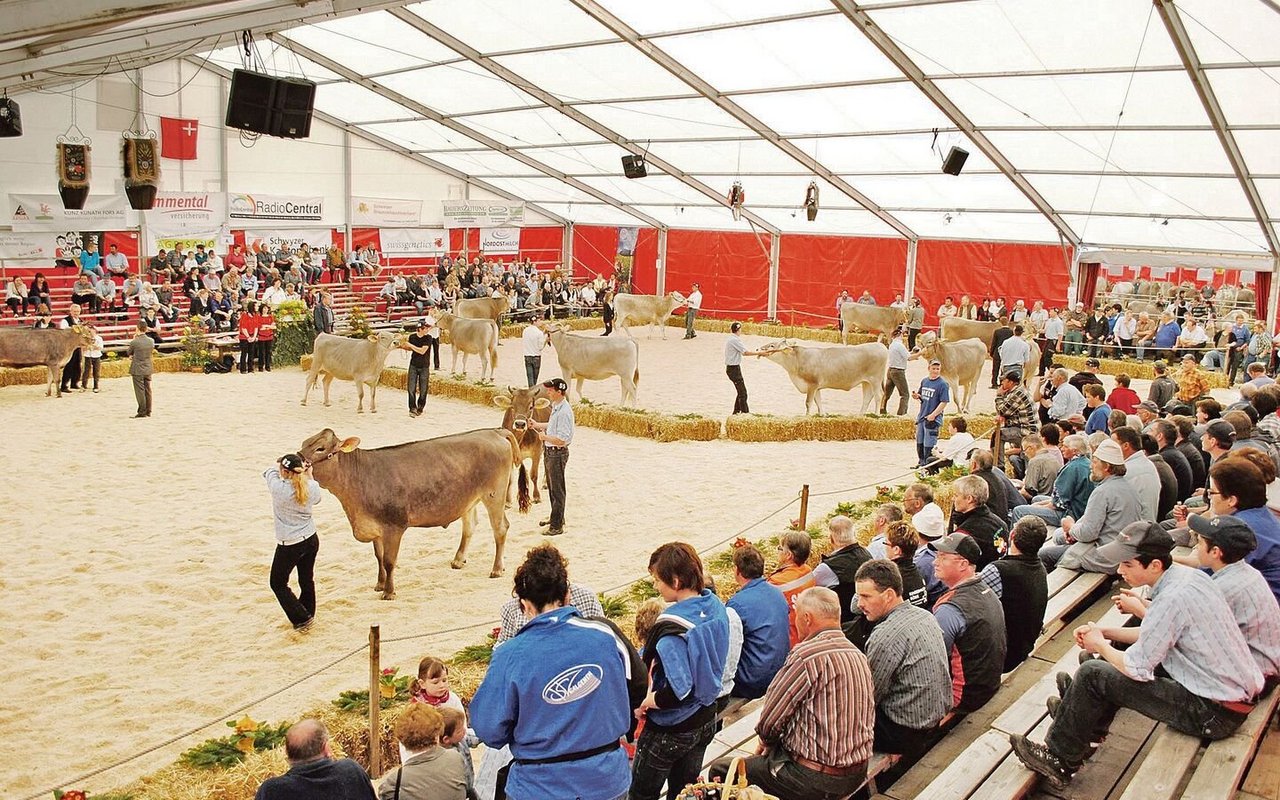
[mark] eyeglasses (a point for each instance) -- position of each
(1214, 492)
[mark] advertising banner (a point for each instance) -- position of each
(183, 239)
(275, 207)
(44, 212)
(500, 241)
(401, 242)
(196, 211)
(318, 238)
(482, 214)
(34, 247)
(377, 212)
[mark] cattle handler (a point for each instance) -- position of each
(734, 350)
(293, 494)
(556, 434)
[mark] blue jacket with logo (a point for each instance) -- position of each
(692, 662)
(559, 687)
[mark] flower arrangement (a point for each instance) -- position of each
(247, 737)
(392, 688)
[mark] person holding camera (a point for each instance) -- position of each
(933, 394)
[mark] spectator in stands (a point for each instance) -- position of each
(213, 262)
(313, 771)
(90, 259)
(887, 513)
(176, 261)
(1096, 332)
(1087, 375)
(40, 292)
(971, 514)
(1192, 341)
(117, 263)
(200, 306)
(972, 622)
(191, 284)
(1167, 481)
(956, 450)
(901, 544)
(1163, 388)
(1122, 397)
(1188, 443)
(16, 296)
(291, 292)
(190, 262)
(1098, 417)
(107, 293)
(274, 295)
(220, 311)
(1257, 376)
(1166, 336)
(370, 257)
(817, 724)
(685, 655)
(44, 317)
(1165, 434)
(282, 259)
(908, 660)
(1237, 488)
(1192, 383)
(947, 309)
(1111, 506)
(147, 298)
(158, 265)
(793, 574)
(1259, 348)
(1212, 680)
(1067, 399)
(926, 515)
(1124, 332)
(323, 313)
(839, 568)
(428, 769)
(766, 624)
(210, 280)
(1022, 585)
(1043, 465)
(1224, 542)
(83, 292)
(336, 260)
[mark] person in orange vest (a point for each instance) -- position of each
(793, 574)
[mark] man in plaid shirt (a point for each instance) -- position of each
(1014, 412)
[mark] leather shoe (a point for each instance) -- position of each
(542, 523)
(139, 416)
(553, 532)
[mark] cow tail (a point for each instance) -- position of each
(636, 377)
(522, 481)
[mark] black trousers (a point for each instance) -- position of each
(247, 349)
(419, 386)
(302, 557)
(734, 371)
(912, 333)
(265, 350)
(555, 459)
(92, 368)
(72, 371)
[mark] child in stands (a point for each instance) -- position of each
(432, 685)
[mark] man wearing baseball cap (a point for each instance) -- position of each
(556, 434)
(1111, 506)
(972, 623)
(1224, 542)
(933, 394)
(1208, 681)
(930, 523)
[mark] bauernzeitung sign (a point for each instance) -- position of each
(275, 207)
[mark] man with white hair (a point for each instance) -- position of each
(1067, 400)
(839, 568)
(1112, 505)
(818, 719)
(885, 514)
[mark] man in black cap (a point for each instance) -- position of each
(556, 434)
(972, 622)
(1208, 680)
(1224, 541)
(1217, 439)
(419, 346)
(1087, 375)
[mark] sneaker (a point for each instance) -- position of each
(1064, 683)
(305, 625)
(553, 532)
(1038, 759)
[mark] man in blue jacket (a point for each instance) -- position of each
(766, 625)
(557, 693)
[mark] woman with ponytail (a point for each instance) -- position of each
(293, 493)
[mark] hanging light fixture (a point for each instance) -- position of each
(811, 201)
(736, 198)
(73, 149)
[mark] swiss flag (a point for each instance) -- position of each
(178, 138)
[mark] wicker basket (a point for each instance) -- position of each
(735, 786)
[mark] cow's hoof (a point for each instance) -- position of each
(497, 573)
(303, 403)
(379, 587)
(327, 405)
(458, 563)
(388, 595)
(373, 411)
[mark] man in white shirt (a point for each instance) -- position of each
(1192, 338)
(533, 340)
(899, 355)
(734, 350)
(1013, 353)
(117, 262)
(693, 302)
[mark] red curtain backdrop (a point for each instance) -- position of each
(1089, 283)
(594, 249)
(1263, 289)
(644, 266)
(543, 245)
(813, 270)
(1026, 272)
(732, 267)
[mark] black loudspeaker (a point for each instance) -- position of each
(955, 161)
(10, 118)
(633, 167)
(274, 106)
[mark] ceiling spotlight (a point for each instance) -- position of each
(736, 198)
(811, 201)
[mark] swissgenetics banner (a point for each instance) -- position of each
(413, 241)
(318, 238)
(376, 212)
(275, 207)
(500, 241)
(44, 212)
(196, 211)
(482, 214)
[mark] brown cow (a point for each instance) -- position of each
(523, 406)
(482, 308)
(955, 329)
(421, 484)
(50, 348)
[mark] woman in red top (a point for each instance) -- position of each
(249, 322)
(266, 336)
(235, 258)
(1122, 397)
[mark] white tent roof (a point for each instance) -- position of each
(1107, 122)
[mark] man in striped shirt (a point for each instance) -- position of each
(818, 719)
(1212, 679)
(908, 660)
(1224, 542)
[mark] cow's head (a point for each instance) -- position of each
(85, 333)
(386, 340)
(325, 445)
(926, 341)
(555, 327)
(521, 403)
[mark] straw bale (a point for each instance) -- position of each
(774, 330)
(1143, 370)
(241, 782)
(830, 428)
(111, 368)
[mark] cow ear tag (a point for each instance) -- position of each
(349, 444)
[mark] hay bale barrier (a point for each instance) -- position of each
(1141, 370)
(773, 330)
(111, 368)
(832, 428)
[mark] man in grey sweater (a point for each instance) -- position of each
(1085, 543)
(140, 350)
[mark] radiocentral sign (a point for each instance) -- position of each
(275, 207)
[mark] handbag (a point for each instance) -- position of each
(735, 787)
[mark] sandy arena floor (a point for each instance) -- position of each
(134, 600)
